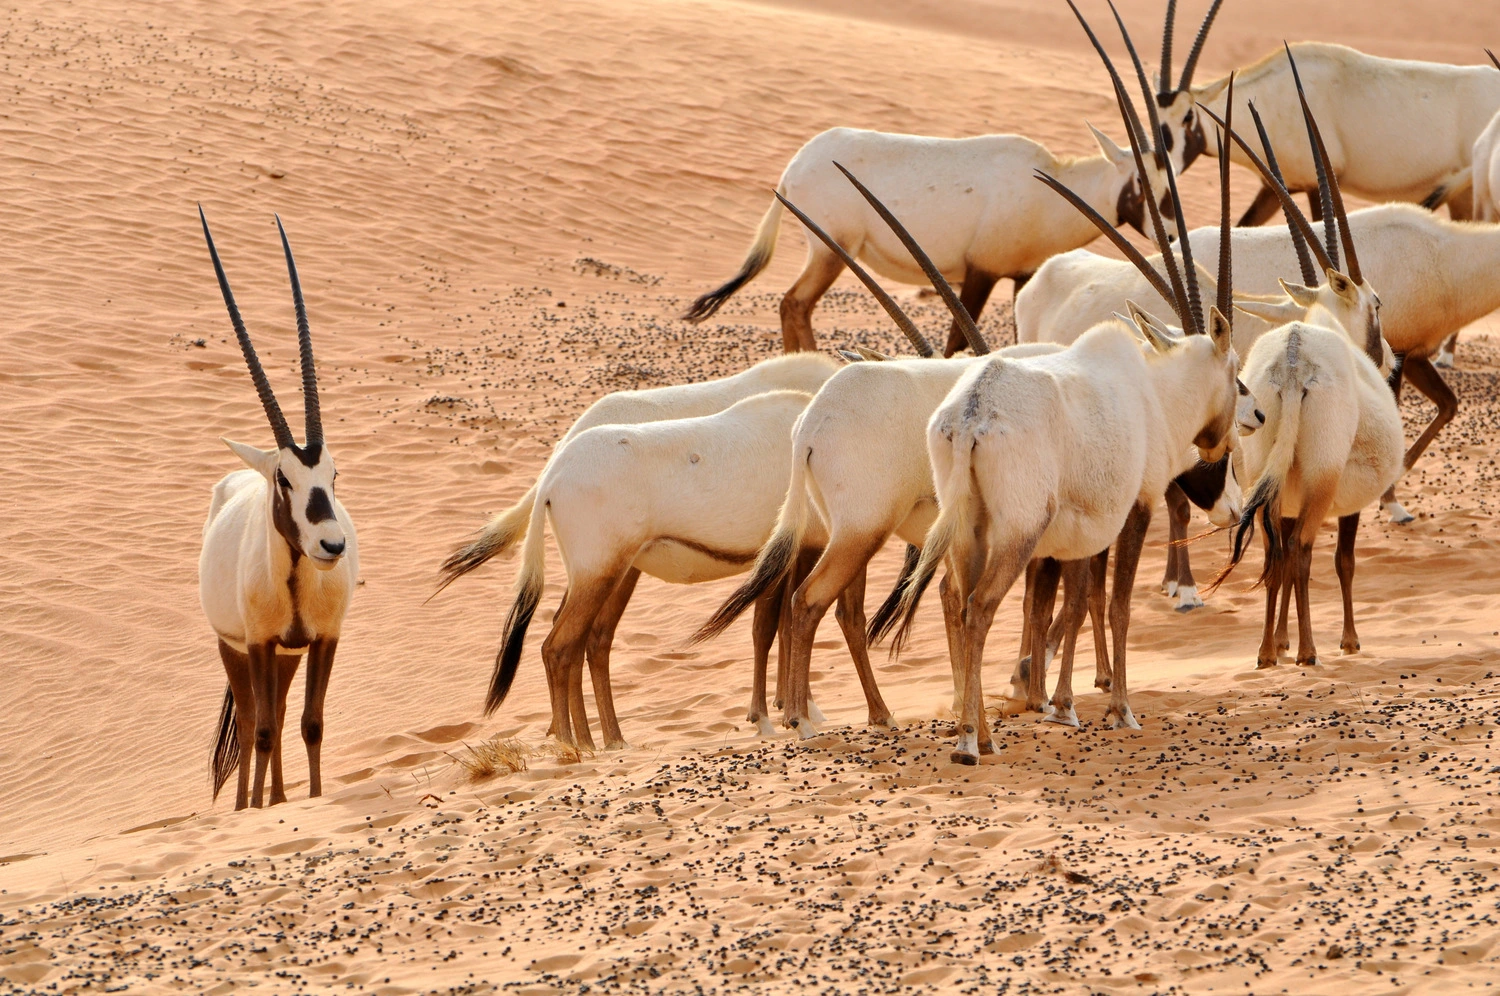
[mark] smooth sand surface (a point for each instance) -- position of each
(498, 210)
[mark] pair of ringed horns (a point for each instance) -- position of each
(1180, 289)
(1329, 193)
(314, 417)
(1165, 80)
(944, 289)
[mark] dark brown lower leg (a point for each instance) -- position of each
(263, 675)
(1098, 567)
(1261, 210)
(1127, 558)
(237, 669)
(797, 305)
(1288, 583)
(1047, 577)
(975, 292)
(1343, 562)
(319, 667)
(601, 638)
(1075, 579)
(1307, 653)
(1269, 656)
(1425, 378)
(765, 621)
(806, 561)
(850, 613)
(563, 657)
(286, 670)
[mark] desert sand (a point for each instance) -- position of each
(499, 209)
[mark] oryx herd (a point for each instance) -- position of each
(1133, 381)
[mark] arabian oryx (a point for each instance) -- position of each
(969, 201)
(1398, 130)
(1330, 446)
(1060, 456)
(279, 565)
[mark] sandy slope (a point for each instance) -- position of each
(497, 211)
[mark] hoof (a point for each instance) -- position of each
(1187, 599)
(1349, 647)
(883, 724)
(987, 746)
(1310, 662)
(1399, 515)
(1265, 663)
(959, 757)
(1122, 719)
(814, 713)
(1170, 587)
(805, 729)
(1062, 717)
(765, 727)
(1443, 360)
(617, 745)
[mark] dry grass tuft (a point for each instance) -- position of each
(493, 757)
(566, 753)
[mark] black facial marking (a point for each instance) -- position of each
(1204, 482)
(282, 482)
(1167, 141)
(1194, 142)
(309, 454)
(319, 508)
(1131, 209)
(285, 523)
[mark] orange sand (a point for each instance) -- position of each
(498, 209)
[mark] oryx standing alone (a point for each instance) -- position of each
(279, 564)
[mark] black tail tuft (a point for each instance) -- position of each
(226, 756)
(917, 585)
(1264, 500)
(774, 564)
(886, 616)
(705, 306)
(509, 657)
(1435, 200)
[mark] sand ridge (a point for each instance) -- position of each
(498, 211)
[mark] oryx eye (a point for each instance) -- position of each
(282, 481)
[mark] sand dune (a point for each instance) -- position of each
(498, 210)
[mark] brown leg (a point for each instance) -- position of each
(1047, 576)
(263, 675)
(1020, 677)
(953, 628)
(850, 613)
(797, 305)
(1420, 372)
(1127, 558)
(1343, 561)
(835, 570)
(1444, 357)
(1075, 579)
(1288, 582)
(319, 667)
(1269, 655)
(286, 670)
(563, 656)
(1179, 568)
(764, 623)
(806, 561)
(1000, 572)
(975, 292)
(1261, 210)
(601, 637)
(237, 668)
(1098, 568)
(1306, 652)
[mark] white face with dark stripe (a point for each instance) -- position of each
(303, 504)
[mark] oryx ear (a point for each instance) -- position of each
(851, 356)
(1306, 297)
(1112, 152)
(263, 462)
(869, 354)
(1219, 330)
(1159, 341)
(1278, 311)
(1341, 284)
(1209, 91)
(1143, 318)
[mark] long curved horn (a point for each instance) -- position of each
(1197, 49)
(918, 340)
(1225, 300)
(1347, 237)
(1293, 212)
(283, 434)
(1190, 271)
(312, 413)
(1164, 77)
(1132, 119)
(939, 282)
(1310, 275)
(1146, 94)
(1113, 234)
(1320, 163)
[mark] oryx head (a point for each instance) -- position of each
(1181, 133)
(300, 478)
(1346, 301)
